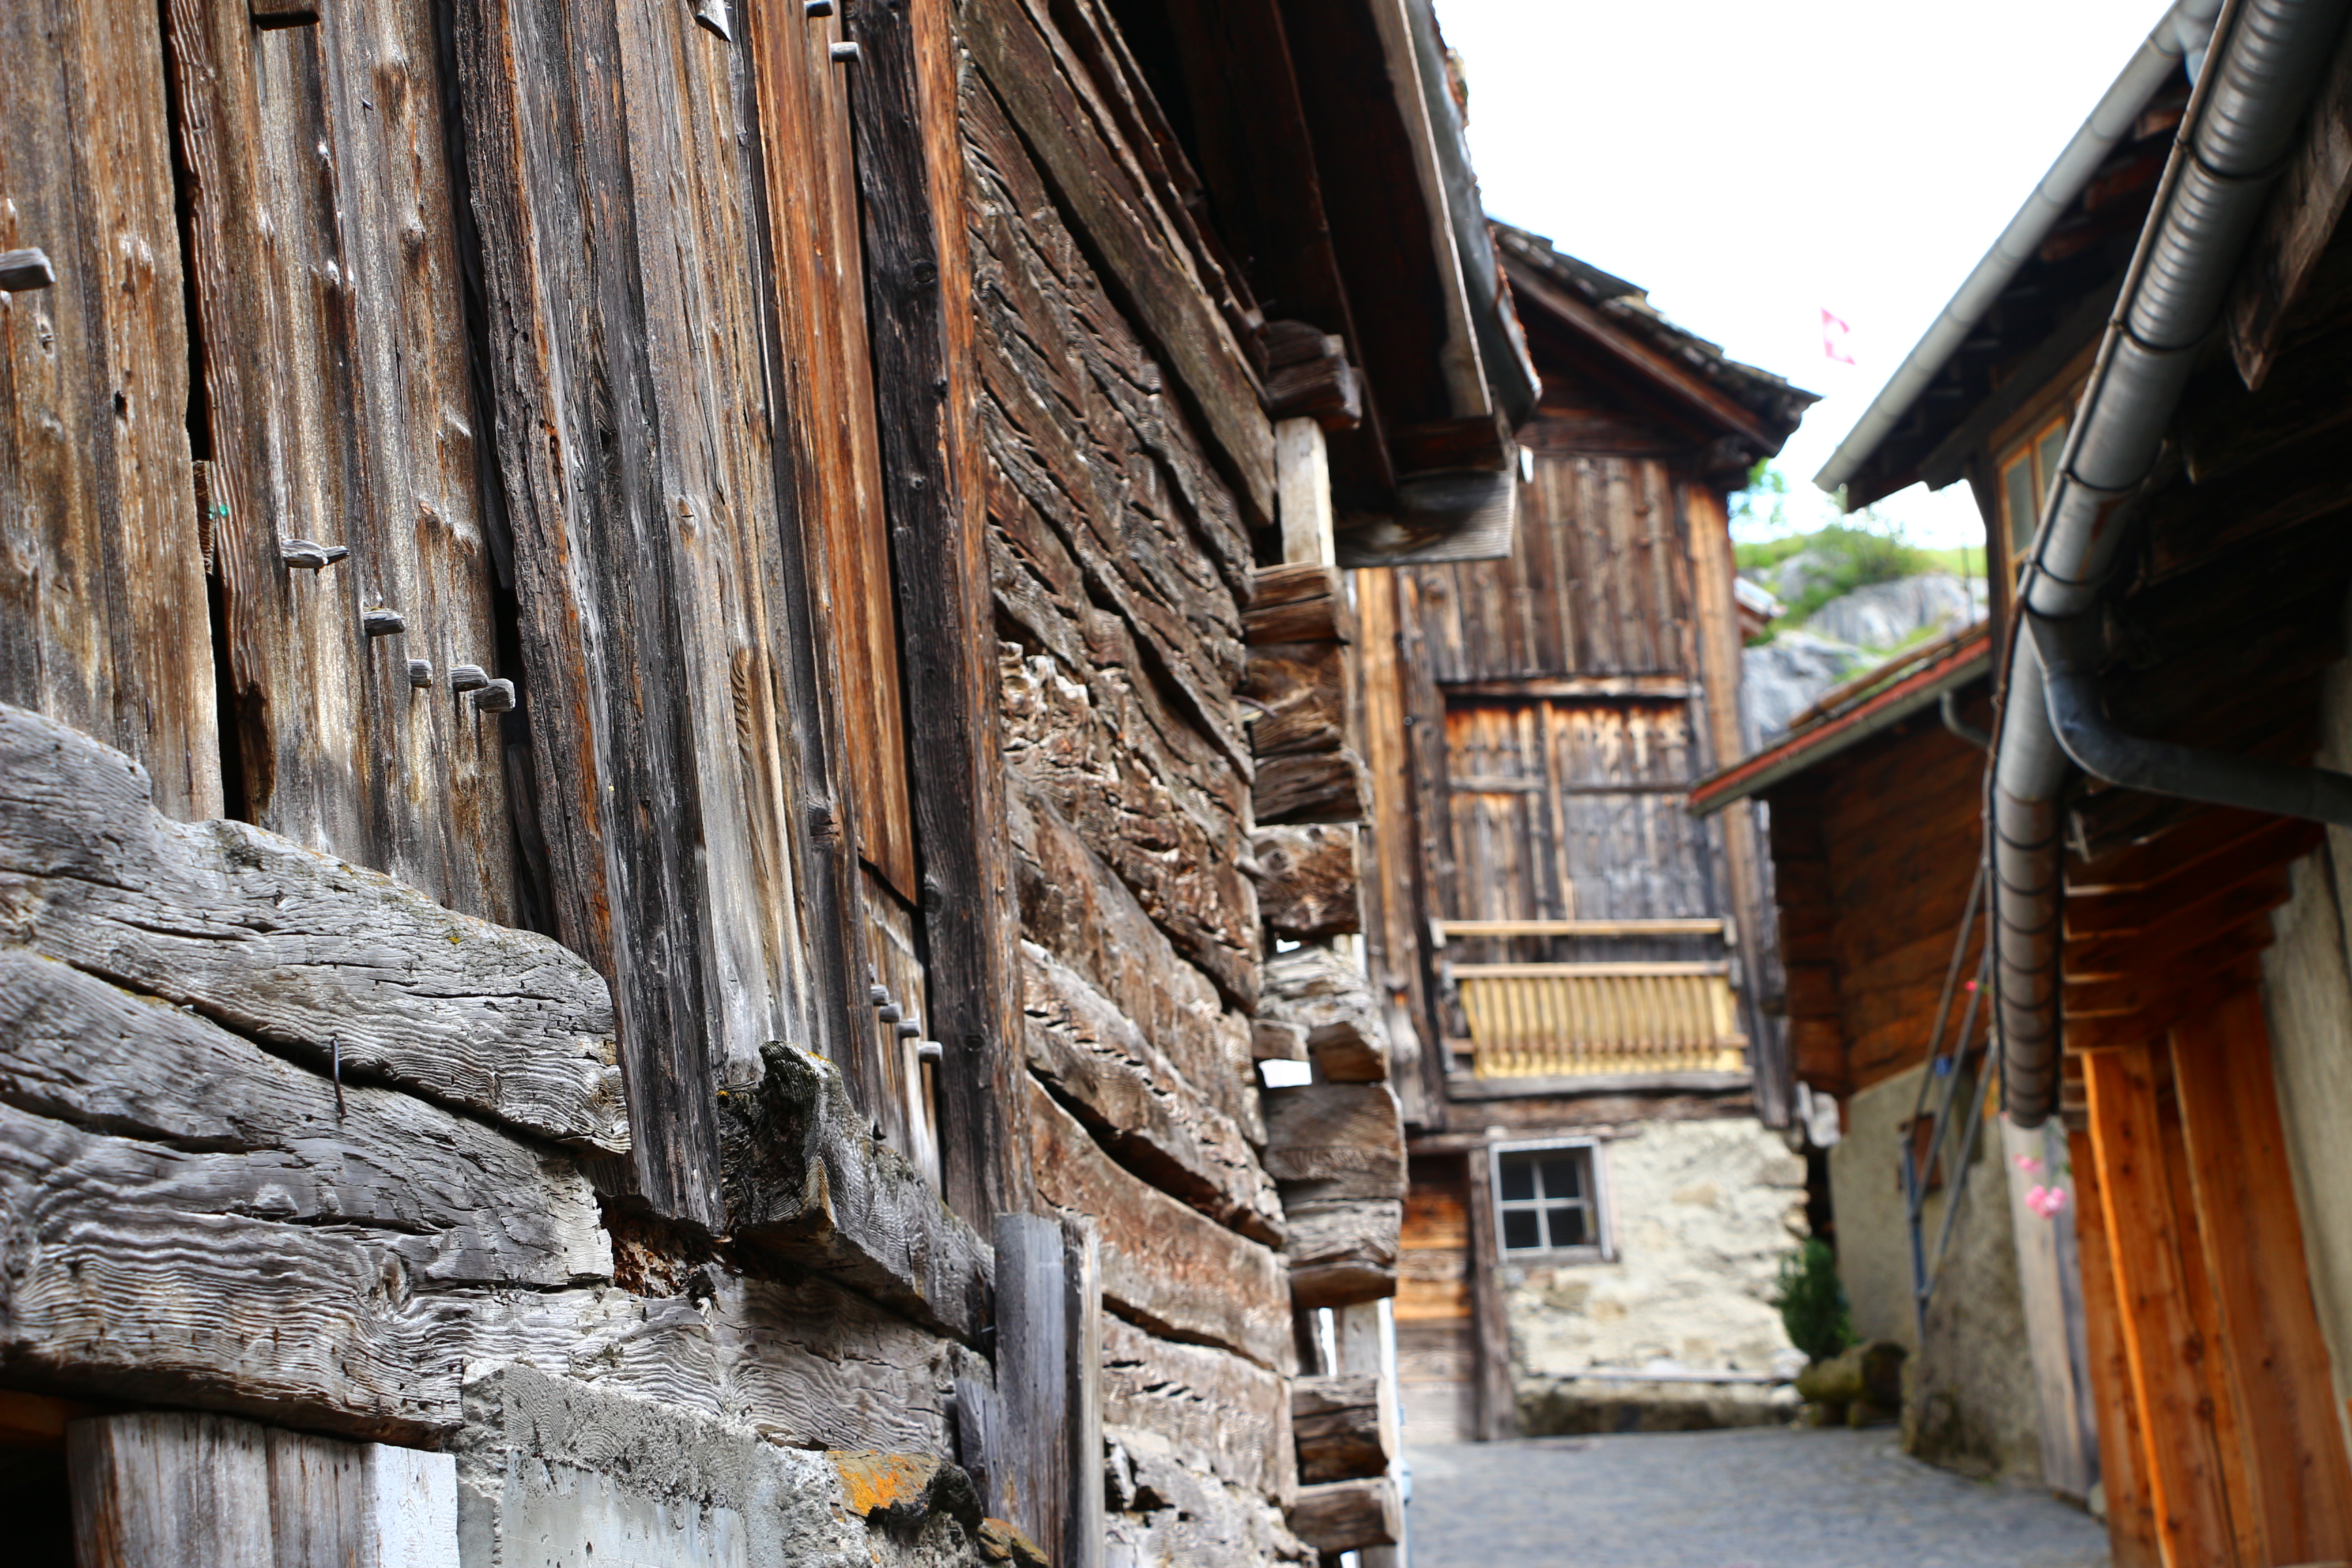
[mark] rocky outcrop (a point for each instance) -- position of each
(1885, 616)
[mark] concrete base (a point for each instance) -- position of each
(557, 1474)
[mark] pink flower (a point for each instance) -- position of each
(2029, 1164)
(2047, 1202)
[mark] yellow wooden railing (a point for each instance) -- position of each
(1560, 1020)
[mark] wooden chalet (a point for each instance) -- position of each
(667, 668)
(1568, 949)
(2159, 468)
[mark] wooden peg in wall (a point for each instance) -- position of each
(25, 269)
(307, 556)
(272, 15)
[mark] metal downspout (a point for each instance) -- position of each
(2265, 62)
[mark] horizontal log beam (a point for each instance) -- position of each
(300, 950)
(1132, 1098)
(806, 1180)
(1165, 1267)
(1340, 1424)
(1344, 1516)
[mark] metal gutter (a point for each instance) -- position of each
(1798, 752)
(2181, 35)
(2268, 56)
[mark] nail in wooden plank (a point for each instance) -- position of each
(845, 54)
(21, 271)
(498, 697)
(302, 553)
(818, 7)
(464, 678)
(381, 621)
(712, 15)
(420, 673)
(271, 15)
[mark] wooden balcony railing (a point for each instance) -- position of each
(1560, 1020)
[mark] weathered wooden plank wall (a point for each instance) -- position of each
(620, 350)
(1872, 869)
(1600, 584)
(338, 411)
(103, 615)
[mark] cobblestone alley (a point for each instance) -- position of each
(1746, 1499)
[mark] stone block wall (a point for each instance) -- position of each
(1701, 1214)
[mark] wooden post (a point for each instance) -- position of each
(909, 163)
(210, 1491)
(2166, 1354)
(1498, 1406)
(2042, 1291)
(2122, 1463)
(1031, 1458)
(2273, 1360)
(1717, 633)
(1302, 463)
(1083, 1540)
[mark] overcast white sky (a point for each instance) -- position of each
(1751, 164)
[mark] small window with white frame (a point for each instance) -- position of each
(1548, 1201)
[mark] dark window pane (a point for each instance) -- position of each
(1519, 1229)
(1563, 1176)
(2046, 454)
(2017, 483)
(1518, 1176)
(1567, 1226)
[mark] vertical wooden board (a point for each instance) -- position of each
(1497, 1404)
(904, 104)
(2043, 1294)
(2165, 1353)
(339, 410)
(828, 409)
(2122, 1453)
(1033, 1376)
(692, 114)
(600, 589)
(904, 1107)
(1395, 904)
(103, 623)
(1082, 1538)
(2225, 1404)
(190, 1490)
(2271, 1345)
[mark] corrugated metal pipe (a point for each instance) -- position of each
(2264, 63)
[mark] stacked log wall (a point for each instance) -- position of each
(1119, 509)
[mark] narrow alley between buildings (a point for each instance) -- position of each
(1756, 1497)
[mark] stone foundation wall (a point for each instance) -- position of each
(1701, 1214)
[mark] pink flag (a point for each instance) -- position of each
(1835, 332)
